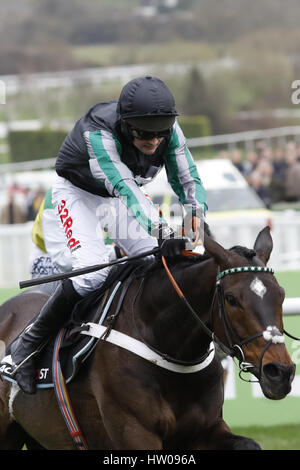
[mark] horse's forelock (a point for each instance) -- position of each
(247, 253)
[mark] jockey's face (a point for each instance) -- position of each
(148, 147)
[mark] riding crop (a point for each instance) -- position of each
(89, 269)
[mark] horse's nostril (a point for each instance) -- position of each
(277, 372)
(272, 371)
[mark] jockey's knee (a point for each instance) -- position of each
(88, 283)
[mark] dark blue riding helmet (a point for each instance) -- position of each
(146, 103)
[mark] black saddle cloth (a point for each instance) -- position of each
(75, 347)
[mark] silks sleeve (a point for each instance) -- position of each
(109, 170)
(182, 173)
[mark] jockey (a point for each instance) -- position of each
(112, 151)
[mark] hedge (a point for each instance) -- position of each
(195, 126)
(34, 145)
(45, 143)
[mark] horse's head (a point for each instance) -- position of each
(248, 317)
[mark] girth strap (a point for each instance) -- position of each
(137, 347)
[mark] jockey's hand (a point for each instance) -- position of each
(162, 231)
(115, 252)
(171, 247)
(193, 227)
(119, 252)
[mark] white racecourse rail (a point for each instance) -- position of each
(285, 230)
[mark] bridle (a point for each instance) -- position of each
(233, 348)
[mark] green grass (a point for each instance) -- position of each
(8, 292)
(122, 54)
(289, 280)
(273, 437)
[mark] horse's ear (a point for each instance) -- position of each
(216, 251)
(264, 245)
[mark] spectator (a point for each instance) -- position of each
(292, 177)
(279, 163)
(265, 168)
(298, 151)
(291, 146)
(236, 158)
(262, 177)
(273, 173)
(266, 154)
(277, 185)
(263, 190)
(224, 155)
(250, 164)
(12, 212)
(34, 200)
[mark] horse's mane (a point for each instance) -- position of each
(148, 267)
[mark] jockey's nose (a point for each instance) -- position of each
(155, 140)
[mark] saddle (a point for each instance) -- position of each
(75, 347)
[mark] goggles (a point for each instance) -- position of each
(148, 135)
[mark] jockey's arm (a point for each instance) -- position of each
(182, 173)
(185, 181)
(109, 170)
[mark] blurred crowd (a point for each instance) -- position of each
(21, 204)
(274, 173)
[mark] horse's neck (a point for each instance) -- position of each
(172, 327)
(198, 285)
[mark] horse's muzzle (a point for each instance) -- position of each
(276, 380)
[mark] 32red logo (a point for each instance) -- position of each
(67, 222)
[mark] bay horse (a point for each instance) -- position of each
(126, 402)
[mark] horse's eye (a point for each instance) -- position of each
(232, 300)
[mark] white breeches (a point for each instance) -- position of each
(84, 217)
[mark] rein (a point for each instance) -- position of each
(235, 349)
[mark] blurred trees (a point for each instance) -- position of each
(262, 81)
(208, 97)
(195, 100)
(103, 21)
(39, 35)
(34, 145)
(47, 25)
